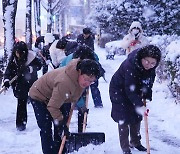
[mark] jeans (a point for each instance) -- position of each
(96, 94)
(50, 141)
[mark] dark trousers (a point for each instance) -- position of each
(80, 122)
(135, 137)
(44, 68)
(21, 114)
(50, 140)
(96, 94)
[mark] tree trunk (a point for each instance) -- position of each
(63, 31)
(49, 17)
(57, 24)
(9, 14)
(28, 24)
(37, 14)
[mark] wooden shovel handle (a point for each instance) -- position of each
(146, 129)
(68, 123)
(10, 82)
(85, 114)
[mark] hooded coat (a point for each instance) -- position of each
(57, 87)
(26, 71)
(56, 54)
(129, 43)
(126, 88)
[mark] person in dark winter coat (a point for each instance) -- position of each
(25, 65)
(86, 38)
(131, 83)
(54, 89)
(66, 45)
(45, 55)
(42, 45)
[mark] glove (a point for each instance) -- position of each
(142, 110)
(6, 84)
(83, 109)
(47, 62)
(66, 131)
(61, 125)
(147, 93)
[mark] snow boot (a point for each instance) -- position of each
(141, 148)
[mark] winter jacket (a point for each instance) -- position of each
(71, 47)
(56, 54)
(45, 52)
(27, 74)
(88, 41)
(57, 87)
(129, 43)
(126, 89)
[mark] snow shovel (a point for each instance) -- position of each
(78, 140)
(146, 127)
(10, 82)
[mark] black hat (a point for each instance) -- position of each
(86, 31)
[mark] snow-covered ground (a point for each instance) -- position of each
(163, 120)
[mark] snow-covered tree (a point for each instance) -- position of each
(28, 24)
(9, 14)
(115, 16)
(37, 14)
(55, 8)
(161, 16)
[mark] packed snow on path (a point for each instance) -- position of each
(163, 120)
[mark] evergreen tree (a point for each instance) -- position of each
(156, 16)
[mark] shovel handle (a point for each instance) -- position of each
(85, 114)
(44, 58)
(62, 145)
(146, 129)
(10, 82)
(68, 123)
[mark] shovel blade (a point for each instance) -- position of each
(78, 140)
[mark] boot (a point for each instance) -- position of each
(127, 152)
(141, 148)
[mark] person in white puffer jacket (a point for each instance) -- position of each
(57, 55)
(135, 38)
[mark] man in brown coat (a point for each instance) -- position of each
(52, 90)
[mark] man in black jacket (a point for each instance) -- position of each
(86, 38)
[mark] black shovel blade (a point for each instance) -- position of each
(78, 140)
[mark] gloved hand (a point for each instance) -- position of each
(142, 110)
(83, 109)
(61, 125)
(6, 84)
(66, 131)
(47, 62)
(147, 93)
